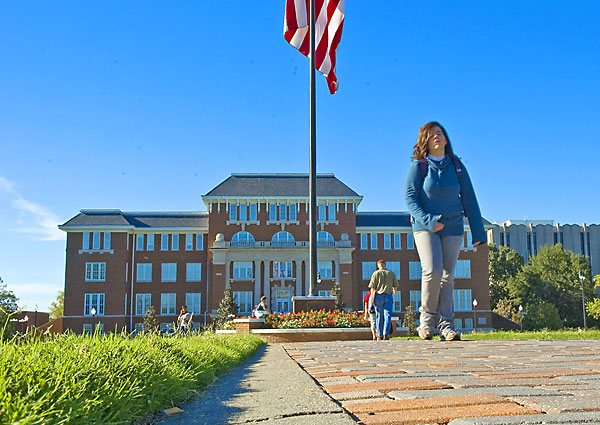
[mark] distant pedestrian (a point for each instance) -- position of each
(262, 308)
(438, 192)
(383, 284)
(184, 321)
(369, 310)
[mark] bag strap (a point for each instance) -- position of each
(424, 165)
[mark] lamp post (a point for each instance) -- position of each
(35, 310)
(93, 313)
(475, 313)
(521, 316)
(582, 278)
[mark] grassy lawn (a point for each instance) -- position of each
(111, 379)
(543, 334)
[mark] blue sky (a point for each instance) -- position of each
(145, 106)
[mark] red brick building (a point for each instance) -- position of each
(254, 239)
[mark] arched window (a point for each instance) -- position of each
(325, 239)
(283, 238)
(241, 239)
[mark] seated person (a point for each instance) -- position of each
(184, 321)
(261, 309)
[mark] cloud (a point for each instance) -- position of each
(33, 218)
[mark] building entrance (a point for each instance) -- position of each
(283, 301)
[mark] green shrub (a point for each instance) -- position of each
(410, 321)
(542, 315)
(593, 308)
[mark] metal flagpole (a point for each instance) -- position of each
(312, 180)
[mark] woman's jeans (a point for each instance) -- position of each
(438, 256)
(383, 313)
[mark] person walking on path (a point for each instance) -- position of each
(438, 192)
(383, 284)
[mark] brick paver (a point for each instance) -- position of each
(426, 382)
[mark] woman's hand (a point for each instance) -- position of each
(438, 226)
(477, 243)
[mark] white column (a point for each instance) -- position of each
(337, 272)
(298, 267)
(257, 293)
(306, 277)
(267, 284)
(227, 268)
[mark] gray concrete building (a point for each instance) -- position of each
(527, 236)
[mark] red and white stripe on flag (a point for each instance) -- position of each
(329, 20)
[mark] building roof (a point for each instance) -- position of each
(118, 218)
(280, 185)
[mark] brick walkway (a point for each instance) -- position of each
(460, 382)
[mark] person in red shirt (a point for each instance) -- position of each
(370, 316)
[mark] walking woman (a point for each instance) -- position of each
(438, 193)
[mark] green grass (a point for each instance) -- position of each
(542, 334)
(111, 379)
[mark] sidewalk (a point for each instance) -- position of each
(407, 382)
(269, 388)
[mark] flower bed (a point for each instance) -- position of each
(316, 319)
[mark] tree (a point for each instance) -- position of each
(593, 308)
(57, 307)
(504, 264)
(150, 322)
(228, 308)
(506, 308)
(542, 315)
(553, 277)
(8, 305)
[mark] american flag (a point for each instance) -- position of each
(329, 20)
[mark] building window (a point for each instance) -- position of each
(502, 238)
(139, 327)
(414, 270)
(175, 242)
(164, 242)
(192, 301)
(415, 300)
(244, 301)
(144, 272)
(325, 239)
(86, 241)
(106, 240)
(142, 302)
(508, 240)
(242, 270)
(232, 212)
(167, 303)
(87, 328)
(458, 324)
(189, 242)
(243, 212)
(326, 293)
(95, 272)
(534, 243)
(283, 238)
(293, 212)
(368, 268)
(410, 241)
(469, 323)
(272, 212)
(374, 241)
(582, 242)
(242, 239)
(462, 300)
(397, 306)
(139, 242)
(322, 212)
(387, 241)
(331, 212)
(282, 269)
(393, 266)
(562, 239)
(463, 269)
(555, 238)
(325, 269)
(193, 272)
(199, 242)
(364, 241)
(149, 242)
(168, 272)
(96, 240)
(93, 301)
(282, 213)
(253, 212)
(397, 241)
(166, 327)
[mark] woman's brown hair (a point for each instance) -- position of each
(421, 150)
